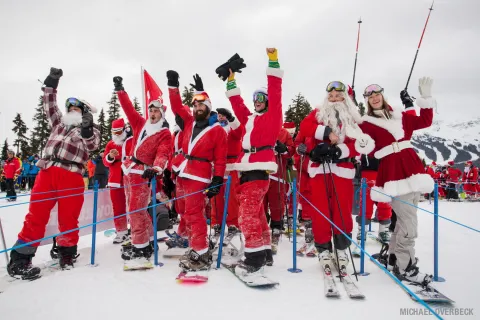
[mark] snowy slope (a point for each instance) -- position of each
(107, 292)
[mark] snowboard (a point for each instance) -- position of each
(428, 294)
(135, 265)
(200, 276)
(174, 252)
(259, 281)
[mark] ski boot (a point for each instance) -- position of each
(412, 274)
(216, 233)
(176, 241)
(67, 256)
(359, 233)
(384, 233)
(20, 266)
(192, 261)
(275, 239)
(232, 232)
(342, 259)
(269, 257)
(138, 258)
(121, 237)
(252, 266)
(325, 259)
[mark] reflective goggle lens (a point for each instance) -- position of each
(73, 102)
(260, 97)
(371, 89)
(199, 97)
(336, 85)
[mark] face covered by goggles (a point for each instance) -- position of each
(336, 85)
(371, 89)
(260, 97)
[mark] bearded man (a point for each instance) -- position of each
(72, 137)
(331, 170)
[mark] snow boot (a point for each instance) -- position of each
(412, 273)
(384, 233)
(135, 253)
(342, 257)
(67, 256)
(20, 266)
(232, 232)
(252, 265)
(176, 241)
(216, 233)
(192, 261)
(269, 257)
(121, 237)
(275, 239)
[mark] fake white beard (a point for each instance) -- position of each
(118, 140)
(466, 169)
(153, 128)
(72, 118)
(348, 115)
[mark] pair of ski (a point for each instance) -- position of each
(330, 286)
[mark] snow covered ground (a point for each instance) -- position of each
(107, 292)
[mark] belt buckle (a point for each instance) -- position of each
(396, 147)
(253, 150)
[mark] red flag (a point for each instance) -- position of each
(152, 91)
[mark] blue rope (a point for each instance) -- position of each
(101, 221)
(411, 204)
(376, 262)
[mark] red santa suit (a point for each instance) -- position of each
(278, 188)
(257, 156)
(304, 183)
(194, 168)
(327, 186)
(123, 146)
(470, 177)
(235, 132)
(151, 148)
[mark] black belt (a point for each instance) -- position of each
(344, 160)
(63, 161)
(232, 157)
(136, 160)
(178, 152)
(189, 157)
(256, 149)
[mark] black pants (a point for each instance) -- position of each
(102, 180)
(451, 191)
(11, 194)
(3, 185)
(31, 181)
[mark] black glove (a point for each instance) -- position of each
(406, 99)
(173, 77)
(335, 152)
(149, 174)
(51, 81)
(280, 147)
(198, 83)
(167, 183)
(290, 162)
(354, 97)
(223, 71)
(117, 82)
(237, 65)
(214, 187)
(320, 153)
(87, 125)
(302, 149)
(226, 113)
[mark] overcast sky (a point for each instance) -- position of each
(92, 41)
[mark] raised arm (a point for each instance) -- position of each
(426, 104)
(238, 105)
(274, 80)
(135, 119)
(50, 97)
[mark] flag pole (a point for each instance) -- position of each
(142, 75)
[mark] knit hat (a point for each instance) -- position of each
(118, 125)
(202, 97)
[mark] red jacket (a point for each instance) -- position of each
(209, 144)
(151, 144)
(401, 170)
(285, 138)
(235, 132)
(429, 170)
(115, 175)
(12, 168)
(261, 129)
(454, 175)
(313, 128)
(470, 176)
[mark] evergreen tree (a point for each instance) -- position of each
(20, 129)
(137, 106)
(298, 110)
(104, 130)
(113, 114)
(41, 131)
(4, 150)
(361, 108)
(187, 96)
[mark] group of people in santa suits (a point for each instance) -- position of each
(470, 181)
(448, 177)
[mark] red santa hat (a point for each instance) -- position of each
(434, 163)
(470, 162)
(118, 125)
(202, 97)
(158, 103)
(451, 163)
(290, 127)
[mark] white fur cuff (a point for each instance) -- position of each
(235, 124)
(345, 150)
(233, 92)
(275, 72)
(427, 103)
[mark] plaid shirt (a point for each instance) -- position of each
(65, 142)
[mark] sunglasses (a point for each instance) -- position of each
(260, 97)
(371, 89)
(73, 102)
(336, 85)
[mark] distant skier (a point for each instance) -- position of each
(387, 133)
(11, 170)
(453, 177)
(73, 135)
(470, 177)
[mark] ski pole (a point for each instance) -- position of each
(3, 243)
(356, 53)
(419, 44)
(284, 193)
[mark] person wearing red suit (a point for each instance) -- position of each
(332, 171)
(150, 154)
(453, 176)
(11, 171)
(401, 175)
(470, 177)
(235, 132)
(116, 151)
(204, 155)
(255, 162)
(274, 200)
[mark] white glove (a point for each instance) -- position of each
(425, 87)
(353, 132)
(364, 144)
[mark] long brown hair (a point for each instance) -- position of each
(385, 107)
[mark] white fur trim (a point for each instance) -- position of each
(191, 144)
(249, 166)
(233, 92)
(114, 184)
(364, 144)
(393, 148)
(421, 182)
(276, 72)
(235, 124)
(276, 179)
(258, 249)
(347, 173)
(107, 158)
(427, 103)
(158, 169)
(319, 132)
(394, 126)
(345, 150)
(246, 143)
